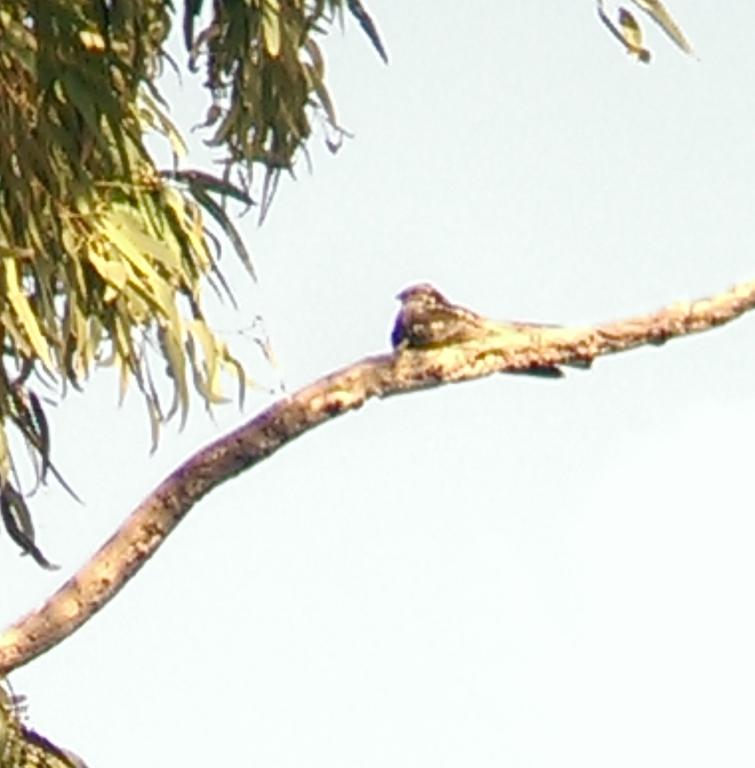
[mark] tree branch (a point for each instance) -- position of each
(348, 389)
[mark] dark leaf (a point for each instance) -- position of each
(17, 522)
(368, 25)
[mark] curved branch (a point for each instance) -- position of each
(151, 522)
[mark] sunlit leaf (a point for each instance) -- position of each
(24, 313)
(5, 457)
(92, 41)
(207, 371)
(228, 227)
(113, 272)
(632, 35)
(627, 30)
(271, 31)
(659, 13)
(173, 350)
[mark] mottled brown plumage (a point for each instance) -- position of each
(427, 320)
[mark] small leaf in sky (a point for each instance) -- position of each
(660, 15)
(368, 25)
(628, 33)
(632, 34)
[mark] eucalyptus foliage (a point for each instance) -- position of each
(104, 256)
(22, 747)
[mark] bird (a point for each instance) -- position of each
(428, 320)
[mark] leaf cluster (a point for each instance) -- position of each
(20, 745)
(266, 76)
(103, 256)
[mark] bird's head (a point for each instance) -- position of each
(421, 292)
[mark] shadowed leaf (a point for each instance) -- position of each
(368, 25)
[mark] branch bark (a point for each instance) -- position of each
(137, 539)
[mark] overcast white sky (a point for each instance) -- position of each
(507, 572)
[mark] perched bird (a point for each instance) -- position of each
(427, 320)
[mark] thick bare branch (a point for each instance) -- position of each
(516, 348)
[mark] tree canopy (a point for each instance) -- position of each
(104, 255)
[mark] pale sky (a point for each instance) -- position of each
(506, 572)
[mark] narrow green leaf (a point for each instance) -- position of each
(23, 312)
(271, 32)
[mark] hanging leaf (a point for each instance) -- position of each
(632, 34)
(27, 319)
(368, 25)
(271, 31)
(627, 31)
(658, 12)
(17, 522)
(207, 371)
(172, 349)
